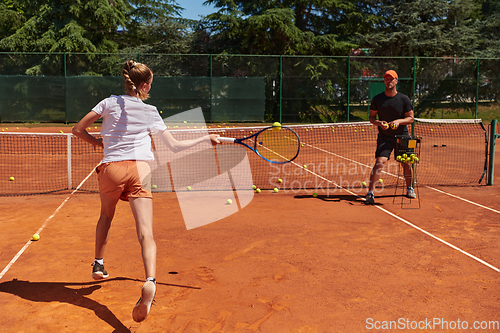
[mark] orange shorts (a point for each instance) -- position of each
(125, 179)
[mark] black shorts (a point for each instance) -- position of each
(385, 145)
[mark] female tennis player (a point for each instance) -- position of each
(124, 173)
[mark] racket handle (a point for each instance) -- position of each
(226, 140)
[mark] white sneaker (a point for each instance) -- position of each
(141, 309)
(410, 193)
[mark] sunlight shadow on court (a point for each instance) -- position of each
(64, 292)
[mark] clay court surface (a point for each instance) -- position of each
(287, 262)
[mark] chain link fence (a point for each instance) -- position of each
(62, 87)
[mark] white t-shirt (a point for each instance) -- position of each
(126, 124)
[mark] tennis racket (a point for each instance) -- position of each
(274, 144)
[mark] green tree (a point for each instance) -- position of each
(66, 26)
(320, 27)
(426, 28)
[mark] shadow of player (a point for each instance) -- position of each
(64, 293)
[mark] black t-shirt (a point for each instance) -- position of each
(391, 108)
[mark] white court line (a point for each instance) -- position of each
(439, 239)
(414, 226)
(460, 198)
(390, 174)
(9, 265)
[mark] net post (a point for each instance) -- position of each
(68, 146)
(493, 136)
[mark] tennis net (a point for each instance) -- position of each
(332, 156)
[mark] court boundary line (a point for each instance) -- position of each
(412, 225)
(18, 255)
(463, 199)
(396, 176)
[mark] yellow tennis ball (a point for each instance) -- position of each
(280, 180)
(35, 237)
(393, 126)
(12, 178)
(276, 190)
(380, 180)
(364, 184)
(189, 188)
(254, 187)
(304, 166)
(257, 190)
(386, 126)
(276, 126)
(229, 201)
(154, 186)
(315, 194)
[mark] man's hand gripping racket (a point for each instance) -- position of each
(274, 144)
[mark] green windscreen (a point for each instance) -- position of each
(59, 99)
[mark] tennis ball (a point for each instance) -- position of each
(364, 184)
(386, 126)
(276, 190)
(35, 237)
(393, 126)
(398, 158)
(380, 180)
(280, 180)
(276, 126)
(304, 166)
(12, 178)
(254, 187)
(229, 201)
(405, 156)
(257, 190)
(315, 194)
(154, 186)
(189, 188)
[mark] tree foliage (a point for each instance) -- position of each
(289, 27)
(318, 27)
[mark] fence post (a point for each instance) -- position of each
(281, 88)
(65, 89)
(348, 86)
(477, 88)
(493, 136)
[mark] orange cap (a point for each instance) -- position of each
(391, 73)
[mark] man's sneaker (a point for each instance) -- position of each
(98, 271)
(141, 309)
(370, 198)
(410, 193)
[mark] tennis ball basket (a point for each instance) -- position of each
(407, 153)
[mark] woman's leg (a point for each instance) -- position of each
(108, 206)
(142, 208)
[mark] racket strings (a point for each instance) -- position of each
(278, 145)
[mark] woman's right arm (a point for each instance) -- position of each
(80, 129)
(177, 146)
